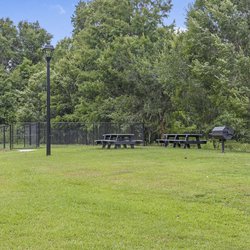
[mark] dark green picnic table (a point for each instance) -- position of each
(185, 139)
(118, 140)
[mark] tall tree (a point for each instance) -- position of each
(9, 44)
(20, 50)
(7, 98)
(32, 38)
(217, 46)
(105, 50)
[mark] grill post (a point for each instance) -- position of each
(222, 146)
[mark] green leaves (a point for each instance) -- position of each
(32, 38)
(218, 48)
(123, 64)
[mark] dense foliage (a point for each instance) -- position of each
(123, 64)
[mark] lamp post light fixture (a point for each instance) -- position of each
(48, 51)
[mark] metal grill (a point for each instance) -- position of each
(222, 133)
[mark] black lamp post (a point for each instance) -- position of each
(48, 51)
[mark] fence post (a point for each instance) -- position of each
(93, 134)
(143, 134)
(24, 141)
(38, 134)
(11, 137)
(4, 138)
(30, 135)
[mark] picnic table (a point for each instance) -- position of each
(186, 140)
(118, 140)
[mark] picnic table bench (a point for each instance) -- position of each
(118, 140)
(182, 139)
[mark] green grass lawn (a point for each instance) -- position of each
(147, 198)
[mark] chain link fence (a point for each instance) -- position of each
(5, 136)
(33, 134)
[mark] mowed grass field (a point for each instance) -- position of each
(147, 198)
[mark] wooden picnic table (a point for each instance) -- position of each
(186, 140)
(118, 140)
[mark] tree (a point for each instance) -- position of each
(217, 46)
(32, 96)
(9, 44)
(105, 50)
(7, 98)
(32, 38)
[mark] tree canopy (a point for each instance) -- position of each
(124, 64)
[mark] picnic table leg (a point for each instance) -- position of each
(186, 145)
(175, 138)
(132, 146)
(198, 144)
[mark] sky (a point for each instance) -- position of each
(55, 15)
